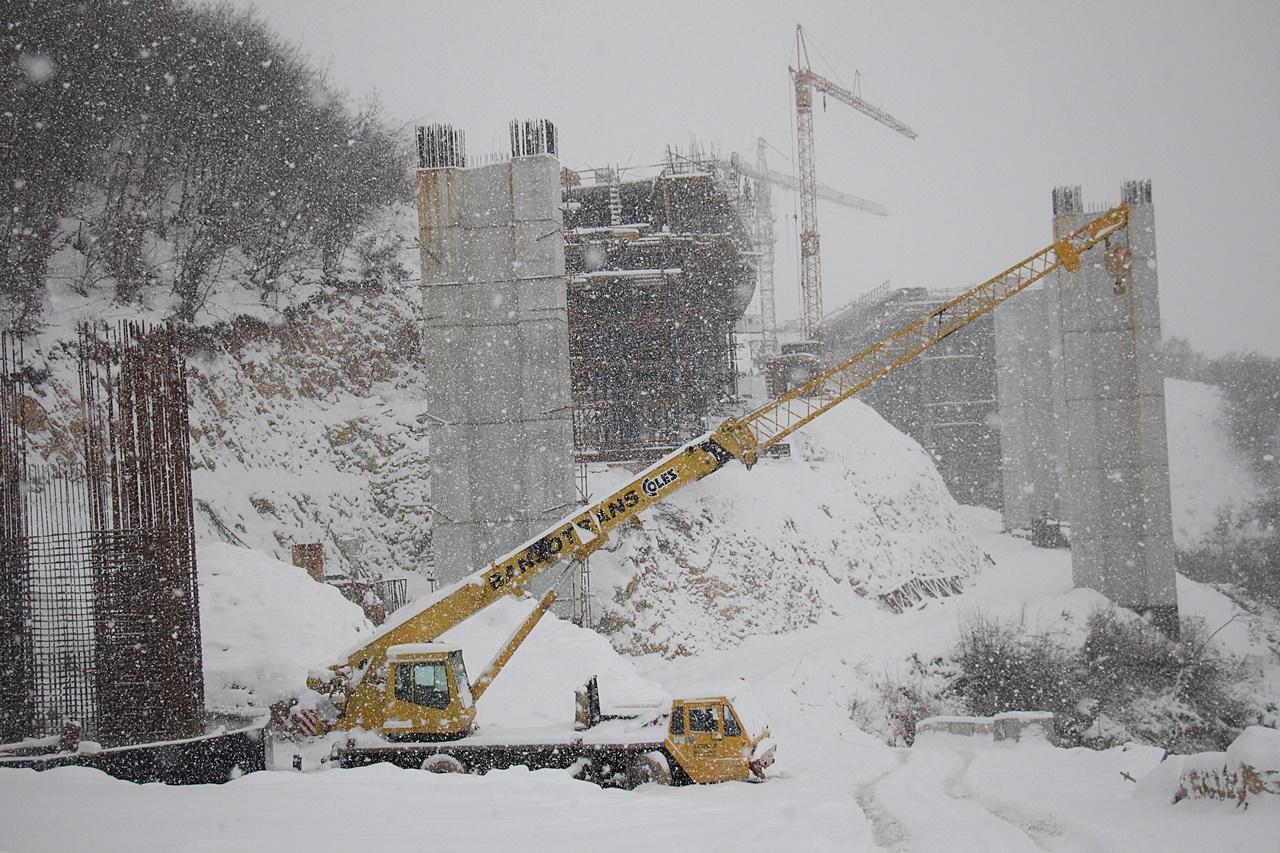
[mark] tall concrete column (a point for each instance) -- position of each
(1030, 402)
(496, 343)
(1117, 462)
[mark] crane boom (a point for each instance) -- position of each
(776, 420)
(840, 93)
(578, 535)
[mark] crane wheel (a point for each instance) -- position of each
(442, 764)
(648, 767)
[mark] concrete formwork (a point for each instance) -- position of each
(1113, 419)
(1030, 395)
(496, 341)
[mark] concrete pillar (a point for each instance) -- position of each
(1030, 401)
(496, 343)
(1117, 464)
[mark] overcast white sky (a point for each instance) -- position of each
(1009, 99)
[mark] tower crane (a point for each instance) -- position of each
(765, 178)
(807, 80)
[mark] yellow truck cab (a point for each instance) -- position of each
(708, 741)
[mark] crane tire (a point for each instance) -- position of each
(648, 767)
(442, 764)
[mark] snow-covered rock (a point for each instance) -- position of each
(1247, 770)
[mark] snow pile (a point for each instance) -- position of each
(536, 687)
(1250, 767)
(265, 624)
(857, 511)
(1207, 477)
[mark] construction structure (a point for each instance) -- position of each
(1079, 377)
(99, 616)
(946, 398)
(660, 270)
(765, 179)
(495, 328)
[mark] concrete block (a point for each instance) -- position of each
(1089, 303)
(486, 255)
(539, 248)
(529, 177)
(485, 197)
(498, 366)
(436, 197)
(1017, 726)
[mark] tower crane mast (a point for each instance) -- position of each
(806, 81)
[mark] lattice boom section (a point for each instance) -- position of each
(775, 421)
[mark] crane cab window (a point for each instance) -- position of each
(703, 719)
(424, 684)
(731, 727)
(460, 679)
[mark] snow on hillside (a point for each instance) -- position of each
(1207, 477)
(305, 406)
(857, 510)
(311, 432)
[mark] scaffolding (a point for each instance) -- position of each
(660, 270)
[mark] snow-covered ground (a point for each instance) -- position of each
(835, 787)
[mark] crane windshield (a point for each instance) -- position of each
(425, 684)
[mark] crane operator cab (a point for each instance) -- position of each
(427, 693)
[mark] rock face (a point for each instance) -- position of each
(310, 432)
(858, 510)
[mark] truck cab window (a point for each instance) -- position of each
(703, 719)
(677, 720)
(425, 684)
(731, 727)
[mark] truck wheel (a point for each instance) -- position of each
(648, 767)
(442, 764)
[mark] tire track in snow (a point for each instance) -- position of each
(887, 832)
(1039, 828)
(915, 803)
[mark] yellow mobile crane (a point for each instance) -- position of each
(411, 688)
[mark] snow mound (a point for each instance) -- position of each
(858, 510)
(264, 625)
(1249, 767)
(536, 688)
(1207, 477)
(267, 624)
